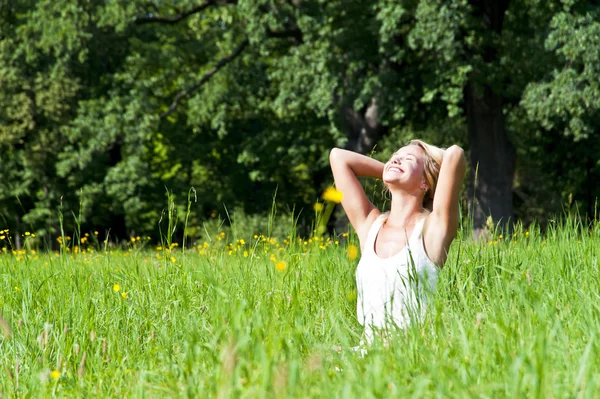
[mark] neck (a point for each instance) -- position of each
(405, 209)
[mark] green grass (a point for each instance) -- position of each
(516, 317)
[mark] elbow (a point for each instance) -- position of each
(333, 154)
(455, 153)
(456, 156)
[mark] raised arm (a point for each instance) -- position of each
(443, 222)
(347, 166)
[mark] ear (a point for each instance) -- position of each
(424, 186)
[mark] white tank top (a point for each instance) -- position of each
(392, 291)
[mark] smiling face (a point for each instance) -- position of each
(405, 169)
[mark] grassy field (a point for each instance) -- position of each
(512, 316)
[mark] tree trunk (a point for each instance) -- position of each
(492, 159)
(362, 127)
(363, 131)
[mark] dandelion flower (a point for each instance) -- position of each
(281, 266)
(352, 252)
(333, 195)
(124, 295)
(116, 288)
(55, 374)
(318, 206)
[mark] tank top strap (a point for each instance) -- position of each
(416, 238)
(418, 233)
(373, 230)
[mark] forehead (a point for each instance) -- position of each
(413, 150)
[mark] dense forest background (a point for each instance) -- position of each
(109, 107)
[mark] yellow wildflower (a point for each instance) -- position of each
(116, 287)
(55, 374)
(333, 195)
(318, 206)
(124, 295)
(281, 266)
(27, 233)
(352, 252)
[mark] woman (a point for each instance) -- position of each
(403, 249)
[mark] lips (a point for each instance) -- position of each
(395, 169)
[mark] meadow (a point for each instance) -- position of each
(256, 317)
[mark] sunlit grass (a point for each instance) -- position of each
(258, 316)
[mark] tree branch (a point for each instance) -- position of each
(174, 19)
(185, 93)
(292, 33)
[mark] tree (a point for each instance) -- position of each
(122, 101)
(564, 103)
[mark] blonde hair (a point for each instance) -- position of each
(432, 163)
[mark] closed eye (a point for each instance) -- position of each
(406, 158)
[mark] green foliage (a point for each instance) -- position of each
(564, 104)
(117, 101)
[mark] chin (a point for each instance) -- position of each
(393, 184)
